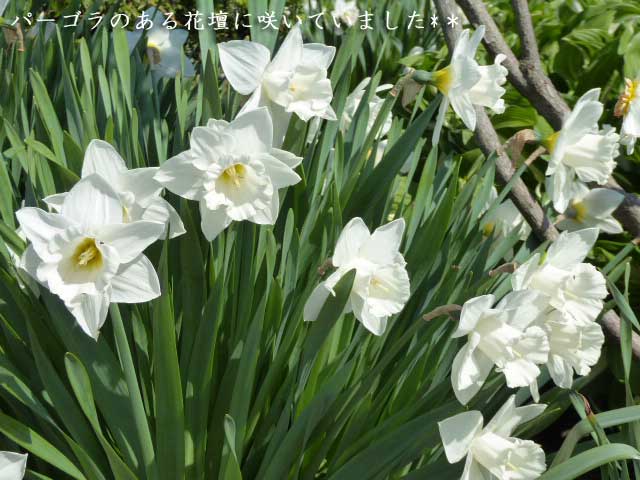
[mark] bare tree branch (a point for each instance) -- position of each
(489, 142)
(527, 76)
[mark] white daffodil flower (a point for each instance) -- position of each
(580, 152)
(628, 107)
(574, 346)
(294, 81)
(504, 219)
(139, 193)
(504, 336)
(12, 465)
(491, 452)
(87, 255)
(163, 46)
(346, 11)
(464, 83)
(592, 208)
(375, 105)
(233, 171)
(574, 288)
(381, 285)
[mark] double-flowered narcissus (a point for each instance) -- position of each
(233, 171)
(88, 255)
(163, 46)
(464, 83)
(294, 81)
(139, 193)
(492, 451)
(12, 465)
(580, 151)
(575, 291)
(381, 285)
(505, 335)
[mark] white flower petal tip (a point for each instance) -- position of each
(12, 465)
(233, 171)
(81, 254)
(491, 452)
(628, 107)
(381, 287)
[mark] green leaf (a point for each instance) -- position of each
(589, 460)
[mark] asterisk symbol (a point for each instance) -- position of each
(452, 21)
(434, 21)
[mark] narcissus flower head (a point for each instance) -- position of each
(491, 452)
(580, 152)
(233, 171)
(465, 84)
(294, 81)
(381, 285)
(163, 47)
(504, 336)
(592, 208)
(87, 255)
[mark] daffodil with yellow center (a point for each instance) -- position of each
(628, 107)
(163, 47)
(592, 208)
(87, 255)
(465, 84)
(580, 152)
(490, 450)
(233, 170)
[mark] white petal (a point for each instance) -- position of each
(254, 130)
(101, 158)
(243, 64)
(458, 432)
(162, 211)
(376, 324)
(602, 202)
(12, 465)
(505, 421)
(90, 311)
(318, 54)
(469, 370)
(384, 244)
(179, 175)
(281, 175)
(353, 236)
(130, 239)
(571, 248)
(560, 371)
(290, 52)
(141, 182)
(55, 201)
(40, 227)
(388, 290)
(315, 302)
(464, 109)
(92, 203)
(135, 282)
(213, 221)
(288, 158)
(472, 311)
